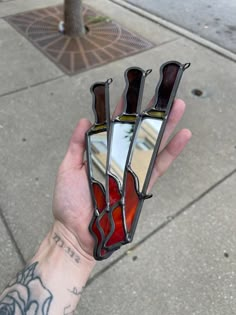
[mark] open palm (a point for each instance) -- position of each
(72, 204)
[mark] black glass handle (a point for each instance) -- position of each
(98, 91)
(100, 94)
(165, 87)
(134, 78)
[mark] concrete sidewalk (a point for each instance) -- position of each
(183, 258)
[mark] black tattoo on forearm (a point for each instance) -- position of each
(26, 294)
(66, 248)
(75, 291)
(67, 310)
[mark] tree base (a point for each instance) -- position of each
(61, 29)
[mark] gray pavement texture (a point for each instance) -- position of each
(10, 260)
(212, 19)
(188, 267)
(25, 64)
(183, 258)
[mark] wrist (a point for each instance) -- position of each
(66, 240)
(61, 244)
(63, 266)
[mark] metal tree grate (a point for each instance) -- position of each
(105, 41)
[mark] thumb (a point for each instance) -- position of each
(75, 154)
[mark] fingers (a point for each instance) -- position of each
(175, 116)
(169, 154)
(75, 153)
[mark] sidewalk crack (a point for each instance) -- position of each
(161, 226)
(32, 85)
(10, 234)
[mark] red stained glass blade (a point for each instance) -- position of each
(99, 238)
(131, 200)
(100, 197)
(114, 191)
(119, 233)
(105, 224)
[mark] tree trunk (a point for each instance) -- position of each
(73, 18)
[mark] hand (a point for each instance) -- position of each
(72, 204)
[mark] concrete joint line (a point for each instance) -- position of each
(179, 30)
(12, 238)
(163, 225)
(32, 85)
(185, 208)
(167, 42)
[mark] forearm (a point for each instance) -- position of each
(53, 280)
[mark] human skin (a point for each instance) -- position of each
(53, 280)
